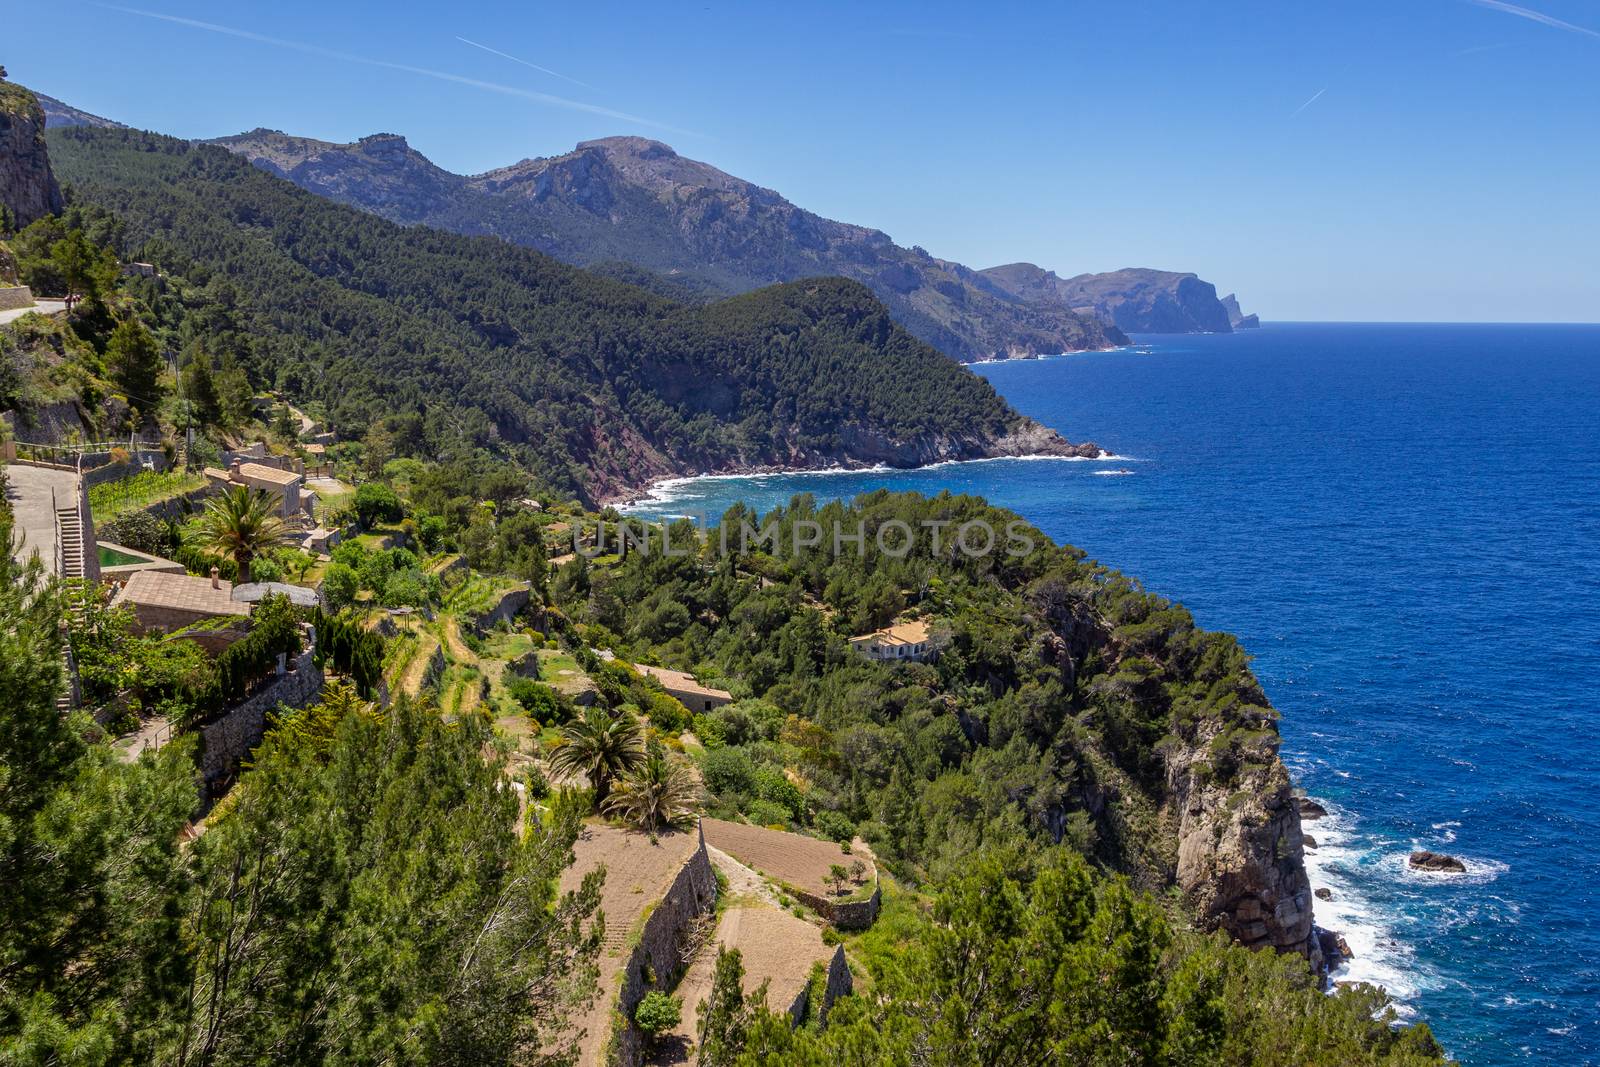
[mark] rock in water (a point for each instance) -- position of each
(1310, 842)
(1436, 862)
(1324, 893)
(1334, 946)
(1310, 809)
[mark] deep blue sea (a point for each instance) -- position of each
(1402, 523)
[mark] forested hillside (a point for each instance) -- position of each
(458, 344)
(635, 200)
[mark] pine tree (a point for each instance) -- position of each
(726, 1015)
(374, 900)
(235, 398)
(200, 389)
(134, 360)
(89, 860)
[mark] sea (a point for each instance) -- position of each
(1402, 524)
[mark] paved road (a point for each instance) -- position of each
(33, 506)
(43, 307)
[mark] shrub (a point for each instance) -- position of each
(407, 588)
(377, 503)
(835, 826)
(140, 531)
(340, 585)
(766, 813)
(432, 532)
(657, 1013)
(543, 704)
(771, 785)
(728, 770)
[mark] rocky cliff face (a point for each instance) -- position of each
(1136, 300)
(1241, 854)
(636, 201)
(28, 189)
(1236, 316)
(1222, 826)
(58, 114)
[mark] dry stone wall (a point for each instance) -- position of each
(226, 741)
(656, 960)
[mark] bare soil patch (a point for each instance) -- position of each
(802, 862)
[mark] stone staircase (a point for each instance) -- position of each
(70, 550)
(69, 528)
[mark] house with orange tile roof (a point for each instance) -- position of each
(910, 639)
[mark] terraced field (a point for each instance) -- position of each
(802, 862)
(638, 874)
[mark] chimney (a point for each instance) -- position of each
(215, 574)
(233, 470)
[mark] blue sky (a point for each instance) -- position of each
(1404, 160)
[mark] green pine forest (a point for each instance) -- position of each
(470, 344)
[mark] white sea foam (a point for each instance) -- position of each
(670, 490)
(1381, 958)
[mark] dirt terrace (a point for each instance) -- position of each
(776, 947)
(638, 874)
(801, 862)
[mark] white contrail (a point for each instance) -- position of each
(1534, 16)
(1314, 98)
(525, 63)
(346, 57)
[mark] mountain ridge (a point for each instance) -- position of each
(636, 200)
(597, 385)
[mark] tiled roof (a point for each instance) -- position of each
(681, 682)
(263, 473)
(911, 632)
(184, 592)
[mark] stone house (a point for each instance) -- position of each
(286, 485)
(690, 693)
(164, 602)
(907, 640)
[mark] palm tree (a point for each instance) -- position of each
(241, 523)
(603, 745)
(660, 794)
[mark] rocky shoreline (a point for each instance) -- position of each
(867, 451)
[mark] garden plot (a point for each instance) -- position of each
(804, 863)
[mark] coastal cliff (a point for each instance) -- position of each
(1135, 299)
(1241, 854)
(1210, 810)
(28, 188)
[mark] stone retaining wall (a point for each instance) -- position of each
(839, 983)
(656, 960)
(504, 610)
(844, 915)
(15, 296)
(229, 739)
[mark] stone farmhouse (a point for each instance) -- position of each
(164, 602)
(690, 693)
(907, 640)
(287, 485)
